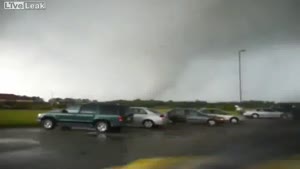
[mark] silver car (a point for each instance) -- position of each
(148, 118)
(263, 113)
(231, 118)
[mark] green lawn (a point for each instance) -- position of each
(19, 118)
(163, 110)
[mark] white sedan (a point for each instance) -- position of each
(263, 113)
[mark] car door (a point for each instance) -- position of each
(68, 115)
(277, 114)
(176, 115)
(202, 118)
(196, 117)
(138, 116)
(128, 116)
(261, 112)
(191, 117)
(265, 113)
(207, 111)
(180, 115)
(87, 113)
(269, 113)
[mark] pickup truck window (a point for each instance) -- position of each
(73, 109)
(115, 110)
(88, 109)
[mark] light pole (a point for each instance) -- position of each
(240, 73)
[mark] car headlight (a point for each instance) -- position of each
(40, 115)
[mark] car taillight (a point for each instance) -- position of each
(120, 119)
(162, 116)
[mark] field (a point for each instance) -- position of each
(18, 118)
(163, 110)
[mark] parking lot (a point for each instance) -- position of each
(239, 145)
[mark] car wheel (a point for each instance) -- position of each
(48, 124)
(255, 116)
(285, 116)
(148, 124)
(234, 120)
(211, 122)
(102, 126)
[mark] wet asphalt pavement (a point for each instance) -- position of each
(238, 145)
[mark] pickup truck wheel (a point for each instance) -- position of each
(102, 126)
(48, 123)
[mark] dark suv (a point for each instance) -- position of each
(101, 116)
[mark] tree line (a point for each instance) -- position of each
(64, 102)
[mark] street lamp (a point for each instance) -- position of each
(240, 73)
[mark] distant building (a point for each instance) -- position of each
(16, 98)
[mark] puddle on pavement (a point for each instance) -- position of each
(18, 141)
(16, 144)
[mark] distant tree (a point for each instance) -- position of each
(37, 99)
(56, 101)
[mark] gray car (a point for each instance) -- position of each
(145, 117)
(193, 116)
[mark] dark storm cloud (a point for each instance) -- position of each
(171, 49)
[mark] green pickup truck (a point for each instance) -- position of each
(102, 117)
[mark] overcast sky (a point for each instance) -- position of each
(153, 49)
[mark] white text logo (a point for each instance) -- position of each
(25, 5)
